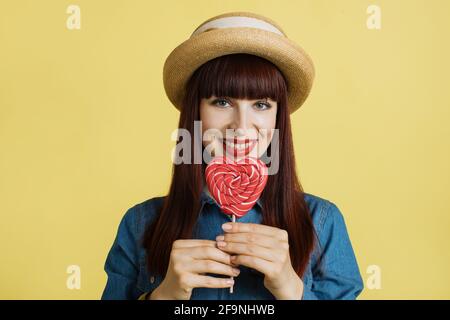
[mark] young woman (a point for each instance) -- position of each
(239, 72)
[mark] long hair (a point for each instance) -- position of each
(240, 76)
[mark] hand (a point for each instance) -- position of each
(265, 249)
(189, 260)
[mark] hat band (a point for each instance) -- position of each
(237, 22)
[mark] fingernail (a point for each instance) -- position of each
(226, 226)
(220, 238)
(229, 281)
(221, 244)
(236, 271)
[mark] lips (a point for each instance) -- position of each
(239, 147)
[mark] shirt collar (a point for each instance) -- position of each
(206, 197)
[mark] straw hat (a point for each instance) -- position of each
(239, 32)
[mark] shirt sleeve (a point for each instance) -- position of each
(337, 275)
(122, 262)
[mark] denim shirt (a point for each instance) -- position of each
(337, 277)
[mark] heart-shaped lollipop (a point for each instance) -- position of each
(236, 185)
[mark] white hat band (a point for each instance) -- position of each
(237, 22)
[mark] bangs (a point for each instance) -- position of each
(241, 76)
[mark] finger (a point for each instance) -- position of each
(255, 228)
(208, 253)
(261, 265)
(200, 281)
(246, 237)
(211, 266)
(189, 243)
(249, 249)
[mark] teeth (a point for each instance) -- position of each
(239, 146)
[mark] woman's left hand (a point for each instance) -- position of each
(265, 249)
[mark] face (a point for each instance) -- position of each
(239, 127)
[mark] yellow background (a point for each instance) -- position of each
(85, 132)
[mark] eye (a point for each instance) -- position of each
(218, 102)
(262, 106)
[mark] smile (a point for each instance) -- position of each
(239, 147)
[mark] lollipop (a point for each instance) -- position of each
(236, 185)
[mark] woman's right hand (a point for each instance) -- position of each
(189, 261)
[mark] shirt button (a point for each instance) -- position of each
(152, 279)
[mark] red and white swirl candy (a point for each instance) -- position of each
(236, 185)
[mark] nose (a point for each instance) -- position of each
(241, 123)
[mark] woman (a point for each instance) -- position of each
(238, 72)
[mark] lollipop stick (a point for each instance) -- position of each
(233, 219)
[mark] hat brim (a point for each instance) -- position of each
(295, 64)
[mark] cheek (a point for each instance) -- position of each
(266, 123)
(209, 117)
(211, 126)
(266, 127)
